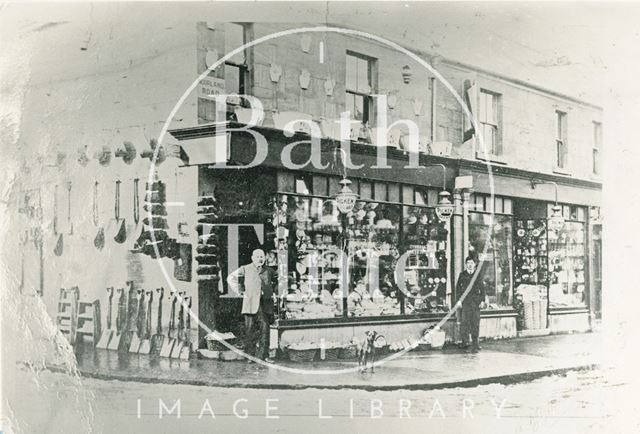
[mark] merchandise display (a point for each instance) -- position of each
(496, 262)
(567, 265)
(362, 248)
(530, 252)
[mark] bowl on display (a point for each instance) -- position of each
(521, 232)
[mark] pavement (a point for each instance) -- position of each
(504, 361)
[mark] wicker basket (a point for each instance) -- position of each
(348, 352)
(329, 354)
(214, 345)
(381, 351)
(301, 356)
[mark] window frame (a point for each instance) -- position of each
(244, 78)
(561, 142)
(495, 148)
(368, 115)
(597, 146)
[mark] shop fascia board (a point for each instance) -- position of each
(243, 151)
(513, 182)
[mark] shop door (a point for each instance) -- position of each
(597, 270)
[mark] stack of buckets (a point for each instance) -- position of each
(535, 310)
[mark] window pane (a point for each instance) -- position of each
(479, 202)
(286, 182)
(319, 185)
(567, 265)
(483, 107)
(582, 215)
(234, 38)
(432, 199)
(488, 204)
(380, 191)
(373, 246)
(407, 194)
(352, 70)
(420, 198)
(358, 109)
(495, 265)
(302, 185)
(334, 186)
(494, 110)
(425, 237)
(364, 84)
(507, 206)
(232, 79)
(394, 192)
(497, 202)
(365, 190)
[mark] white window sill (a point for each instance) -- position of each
(493, 159)
(560, 171)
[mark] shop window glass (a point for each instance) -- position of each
(432, 197)
(286, 182)
(303, 184)
(530, 256)
(373, 240)
(334, 186)
(488, 204)
(309, 230)
(380, 191)
(567, 266)
(507, 206)
(320, 185)
(321, 280)
(498, 205)
(495, 265)
(365, 190)
(478, 202)
(394, 192)
(425, 247)
(420, 197)
(407, 194)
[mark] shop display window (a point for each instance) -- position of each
(496, 263)
(373, 238)
(530, 253)
(309, 229)
(424, 246)
(567, 265)
(341, 266)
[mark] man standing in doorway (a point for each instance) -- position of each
(255, 282)
(469, 308)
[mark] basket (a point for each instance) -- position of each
(348, 352)
(301, 356)
(214, 345)
(382, 350)
(329, 354)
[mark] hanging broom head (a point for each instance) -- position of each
(103, 155)
(83, 158)
(149, 153)
(127, 152)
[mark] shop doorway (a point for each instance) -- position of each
(597, 270)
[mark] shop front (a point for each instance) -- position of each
(542, 232)
(390, 262)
